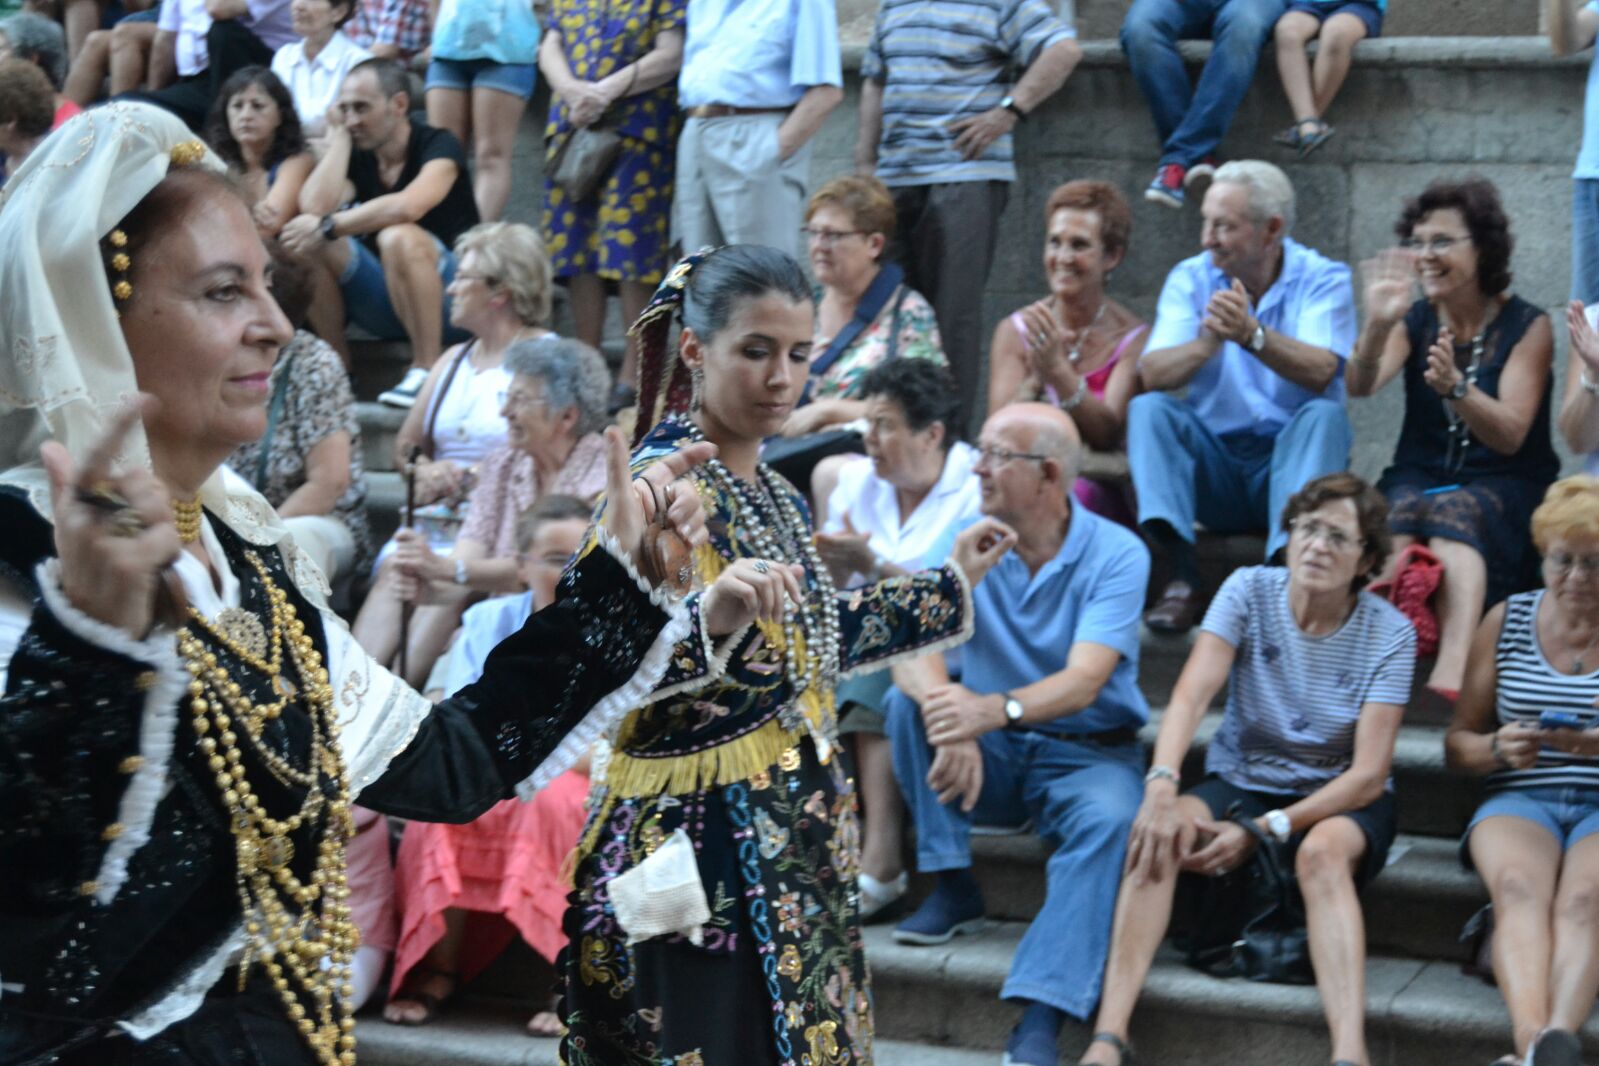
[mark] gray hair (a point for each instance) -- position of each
(1270, 191)
(39, 41)
(1052, 443)
(512, 255)
(574, 375)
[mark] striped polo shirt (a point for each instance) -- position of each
(944, 60)
(1293, 700)
(1527, 686)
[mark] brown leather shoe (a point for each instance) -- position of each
(1176, 611)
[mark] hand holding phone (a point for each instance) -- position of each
(1562, 720)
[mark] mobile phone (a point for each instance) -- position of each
(1562, 720)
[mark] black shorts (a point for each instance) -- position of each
(1379, 821)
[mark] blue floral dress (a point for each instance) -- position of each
(728, 754)
(622, 232)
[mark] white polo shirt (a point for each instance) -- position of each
(314, 83)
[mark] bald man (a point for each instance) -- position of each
(1042, 724)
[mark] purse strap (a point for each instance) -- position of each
(872, 302)
(280, 389)
(443, 391)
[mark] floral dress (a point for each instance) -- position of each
(906, 328)
(749, 771)
(622, 232)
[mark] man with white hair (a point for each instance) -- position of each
(1042, 724)
(1257, 327)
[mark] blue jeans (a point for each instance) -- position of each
(1192, 120)
(1081, 796)
(1240, 483)
(366, 293)
(1585, 240)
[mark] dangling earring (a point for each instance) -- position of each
(696, 378)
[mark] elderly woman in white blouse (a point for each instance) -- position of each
(889, 513)
(314, 67)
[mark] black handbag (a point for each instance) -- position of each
(1250, 922)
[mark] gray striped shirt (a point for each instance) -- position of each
(1527, 686)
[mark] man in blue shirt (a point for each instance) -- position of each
(1257, 327)
(1042, 725)
(758, 79)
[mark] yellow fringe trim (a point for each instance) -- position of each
(725, 764)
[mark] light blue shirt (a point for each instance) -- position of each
(1588, 154)
(1026, 623)
(483, 626)
(758, 53)
(1312, 301)
(502, 31)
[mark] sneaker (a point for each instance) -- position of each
(1555, 1047)
(1203, 170)
(1167, 188)
(942, 917)
(404, 394)
(881, 900)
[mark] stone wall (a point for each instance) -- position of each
(1413, 109)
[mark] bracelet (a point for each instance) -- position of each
(460, 572)
(1499, 757)
(1589, 385)
(1072, 402)
(1162, 773)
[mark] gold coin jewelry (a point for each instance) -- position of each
(186, 516)
(299, 932)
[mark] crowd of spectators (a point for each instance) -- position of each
(1229, 407)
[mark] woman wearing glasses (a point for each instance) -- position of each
(1526, 721)
(1317, 673)
(1474, 455)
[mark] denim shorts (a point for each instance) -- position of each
(1569, 814)
(1368, 13)
(463, 74)
(366, 293)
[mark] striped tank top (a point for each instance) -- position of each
(1528, 686)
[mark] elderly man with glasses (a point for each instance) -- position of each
(1042, 724)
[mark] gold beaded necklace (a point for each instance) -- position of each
(186, 516)
(307, 946)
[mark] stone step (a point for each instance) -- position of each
(1419, 1013)
(380, 424)
(1414, 909)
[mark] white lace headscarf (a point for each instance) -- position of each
(66, 368)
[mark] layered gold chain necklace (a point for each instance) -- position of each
(300, 932)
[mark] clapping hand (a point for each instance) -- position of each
(114, 533)
(1049, 347)
(1442, 374)
(1584, 342)
(1390, 278)
(1228, 315)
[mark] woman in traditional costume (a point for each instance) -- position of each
(732, 790)
(184, 723)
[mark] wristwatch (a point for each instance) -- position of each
(326, 229)
(1010, 104)
(1257, 339)
(1163, 773)
(1279, 826)
(1459, 389)
(1013, 711)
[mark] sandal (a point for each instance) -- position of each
(430, 1003)
(547, 1022)
(1124, 1050)
(1318, 134)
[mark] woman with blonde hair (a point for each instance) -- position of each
(1526, 721)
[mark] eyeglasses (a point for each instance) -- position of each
(1310, 529)
(510, 398)
(461, 275)
(992, 456)
(1435, 245)
(1563, 563)
(829, 237)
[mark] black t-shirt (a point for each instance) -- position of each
(453, 215)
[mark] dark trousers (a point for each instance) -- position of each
(229, 48)
(948, 234)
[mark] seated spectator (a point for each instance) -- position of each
(391, 29)
(1579, 410)
(1572, 27)
(620, 61)
(211, 39)
(314, 67)
(867, 314)
(1257, 327)
(308, 464)
(1338, 25)
(1305, 758)
(479, 82)
(1077, 348)
(1192, 119)
(466, 890)
(1535, 838)
(889, 512)
(39, 41)
(26, 110)
(554, 409)
(943, 87)
(254, 128)
(1474, 453)
(124, 53)
(411, 200)
(1042, 724)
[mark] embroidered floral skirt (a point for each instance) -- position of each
(780, 978)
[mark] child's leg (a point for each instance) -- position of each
(1338, 37)
(1294, 30)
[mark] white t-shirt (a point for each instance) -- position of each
(314, 83)
(872, 507)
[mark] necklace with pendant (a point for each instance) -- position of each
(1076, 352)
